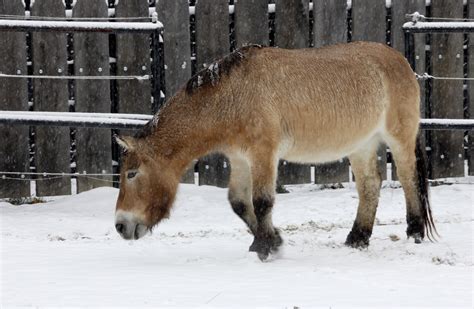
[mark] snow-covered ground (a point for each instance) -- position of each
(67, 253)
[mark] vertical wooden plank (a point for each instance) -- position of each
(399, 10)
(251, 22)
(369, 24)
(471, 92)
(91, 57)
(13, 96)
(212, 43)
(447, 155)
(174, 14)
(292, 31)
(133, 58)
(50, 58)
(330, 27)
(330, 22)
(368, 20)
(212, 31)
(292, 23)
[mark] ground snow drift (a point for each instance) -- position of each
(67, 253)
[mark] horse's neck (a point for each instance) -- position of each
(187, 130)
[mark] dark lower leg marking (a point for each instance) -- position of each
(416, 227)
(358, 237)
(241, 210)
(263, 207)
(267, 239)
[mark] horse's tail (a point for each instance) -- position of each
(423, 190)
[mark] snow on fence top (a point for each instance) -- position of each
(422, 26)
(76, 114)
(83, 26)
(136, 121)
(85, 120)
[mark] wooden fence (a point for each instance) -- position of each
(195, 34)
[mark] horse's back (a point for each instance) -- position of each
(326, 102)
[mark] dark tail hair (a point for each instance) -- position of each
(423, 190)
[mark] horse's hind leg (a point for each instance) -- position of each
(368, 182)
(264, 173)
(240, 191)
(411, 171)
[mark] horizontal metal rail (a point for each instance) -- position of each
(79, 26)
(440, 27)
(82, 121)
(447, 124)
(78, 114)
(136, 121)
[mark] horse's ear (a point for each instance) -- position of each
(126, 142)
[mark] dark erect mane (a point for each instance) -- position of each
(212, 74)
(147, 129)
(207, 76)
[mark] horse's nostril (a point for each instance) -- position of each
(120, 227)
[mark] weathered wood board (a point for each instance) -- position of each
(91, 57)
(471, 92)
(447, 153)
(251, 22)
(13, 96)
(52, 143)
(133, 58)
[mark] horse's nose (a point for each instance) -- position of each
(120, 228)
(130, 226)
(126, 229)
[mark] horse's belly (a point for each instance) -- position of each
(312, 148)
(314, 157)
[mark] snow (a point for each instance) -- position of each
(438, 25)
(67, 253)
(33, 118)
(82, 25)
(77, 114)
(465, 122)
(440, 124)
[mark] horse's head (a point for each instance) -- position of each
(147, 188)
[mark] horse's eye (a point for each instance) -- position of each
(131, 174)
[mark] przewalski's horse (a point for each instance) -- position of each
(259, 105)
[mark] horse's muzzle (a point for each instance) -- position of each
(129, 227)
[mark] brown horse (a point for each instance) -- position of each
(259, 105)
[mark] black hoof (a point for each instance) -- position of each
(417, 237)
(261, 247)
(416, 229)
(358, 238)
(263, 255)
(266, 245)
(254, 247)
(277, 241)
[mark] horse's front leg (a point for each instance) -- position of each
(264, 172)
(240, 191)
